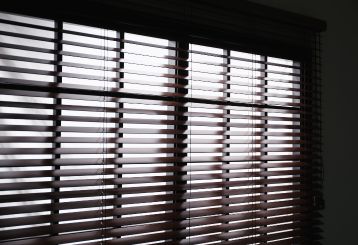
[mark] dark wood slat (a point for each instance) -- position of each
(139, 111)
(145, 95)
(99, 150)
(211, 209)
(256, 198)
(141, 130)
(82, 183)
(141, 121)
(146, 160)
(143, 170)
(135, 190)
(153, 208)
(40, 139)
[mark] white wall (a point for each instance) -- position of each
(340, 118)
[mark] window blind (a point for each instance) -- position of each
(111, 137)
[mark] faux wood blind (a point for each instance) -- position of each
(110, 137)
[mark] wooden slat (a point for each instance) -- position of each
(228, 155)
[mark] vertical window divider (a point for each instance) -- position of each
(301, 122)
(181, 128)
(318, 106)
(253, 180)
(226, 153)
(265, 130)
(57, 122)
(313, 76)
(104, 140)
(308, 84)
(119, 135)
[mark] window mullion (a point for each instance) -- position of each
(264, 137)
(119, 134)
(58, 58)
(226, 135)
(182, 54)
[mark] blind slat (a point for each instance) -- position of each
(109, 136)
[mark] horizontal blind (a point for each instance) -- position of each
(230, 23)
(110, 137)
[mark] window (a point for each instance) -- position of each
(113, 137)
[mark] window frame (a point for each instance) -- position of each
(184, 40)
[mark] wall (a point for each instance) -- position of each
(340, 119)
